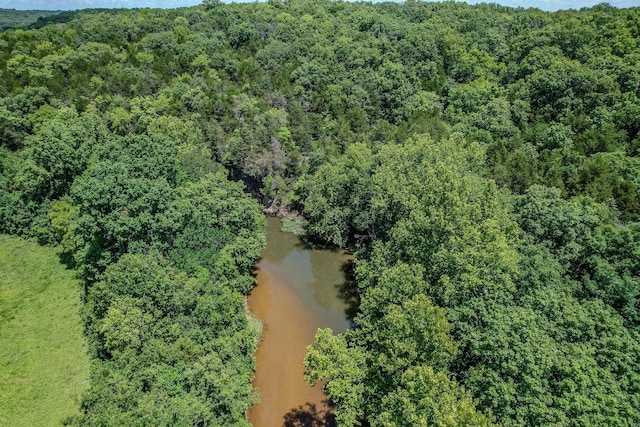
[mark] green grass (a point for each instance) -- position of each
(44, 365)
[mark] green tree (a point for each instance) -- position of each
(428, 398)
(338, 201)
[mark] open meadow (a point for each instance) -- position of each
(44, 366)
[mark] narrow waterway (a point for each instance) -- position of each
(297, 292)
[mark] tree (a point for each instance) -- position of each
(428, 398)
(338, 201)
(330, 358)
(212, 224)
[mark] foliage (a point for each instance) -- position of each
(162, 240)
(482, 162)
(295, 226)
(433, 211)
(181, 342)
(525, 311)
(11, 18)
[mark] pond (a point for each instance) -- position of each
(298, 291)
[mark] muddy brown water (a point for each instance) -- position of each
(298, 291)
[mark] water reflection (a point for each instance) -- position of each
(328, 276)
(279, 244)
(348, 291)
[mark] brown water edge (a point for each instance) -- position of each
(297, 292)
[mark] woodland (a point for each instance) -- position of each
(11, 18)
(481, 162)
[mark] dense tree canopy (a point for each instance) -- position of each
(481, 161)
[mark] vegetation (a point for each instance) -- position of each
(11, 18)
(44, 366)
(481, 161)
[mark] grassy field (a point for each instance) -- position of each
(44, 366)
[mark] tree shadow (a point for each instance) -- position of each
(310, 416)
(348, 290)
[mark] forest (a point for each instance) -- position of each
(11, 18)
(481, 162)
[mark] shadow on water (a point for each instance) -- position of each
(310, 416)
(348, 290)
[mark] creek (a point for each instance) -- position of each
(298, 290)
